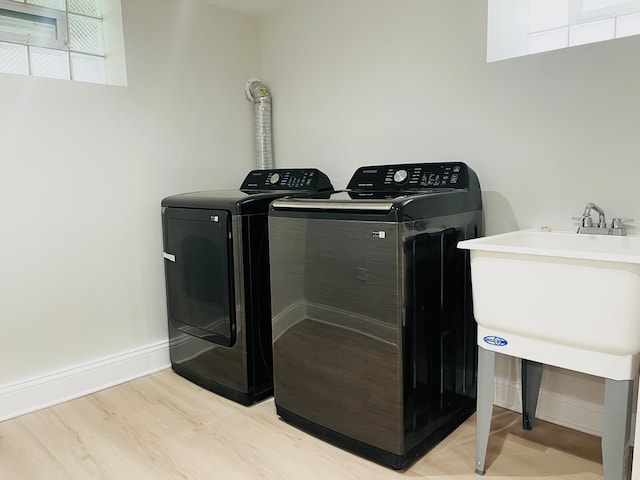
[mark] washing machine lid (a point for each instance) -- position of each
(342, 200)
(384, 187)
(345, 200)
(400, 191)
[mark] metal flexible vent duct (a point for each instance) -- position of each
(258, 94)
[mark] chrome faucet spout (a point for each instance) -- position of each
(602, 223)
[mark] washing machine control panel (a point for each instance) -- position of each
(410, 177)
(296, 179)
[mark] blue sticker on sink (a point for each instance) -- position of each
(495, 341)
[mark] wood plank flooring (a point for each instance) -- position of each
(164, 427)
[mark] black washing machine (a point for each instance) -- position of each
(216, 251)
(374, 340)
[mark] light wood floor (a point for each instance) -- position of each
(164, 427)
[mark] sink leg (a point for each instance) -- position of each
(531, 379)
(635, 465)
(617, 424)
(484, 405)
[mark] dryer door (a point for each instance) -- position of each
(199, 273)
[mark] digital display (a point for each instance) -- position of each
(410, 177)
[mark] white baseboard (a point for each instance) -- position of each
(553, 407)
(37, 393)
(41, 392)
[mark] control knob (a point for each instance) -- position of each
(275, 178)
(400, 176)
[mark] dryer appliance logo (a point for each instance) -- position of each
(380, 234)
(495, 341)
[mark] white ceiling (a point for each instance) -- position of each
(249, 7)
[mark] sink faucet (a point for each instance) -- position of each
(617, 225)
(586, 216)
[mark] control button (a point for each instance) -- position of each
(275, 178)
(454, 178)
(400, 176)
(456, 169)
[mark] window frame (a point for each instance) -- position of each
(61, 41)
(578, 15)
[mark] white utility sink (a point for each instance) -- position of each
(564, 299)
(535, 290)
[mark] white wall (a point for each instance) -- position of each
(84, 168)
(388, 81)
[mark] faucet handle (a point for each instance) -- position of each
(585, 220)
(619, 222)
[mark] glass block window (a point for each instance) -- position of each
(90, 8)
(85, 34)
(57, 4)
(76, 53)
(14, 59)
(47, 62)
(88, 68)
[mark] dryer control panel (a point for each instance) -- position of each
(411, 177)
(295, 179)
